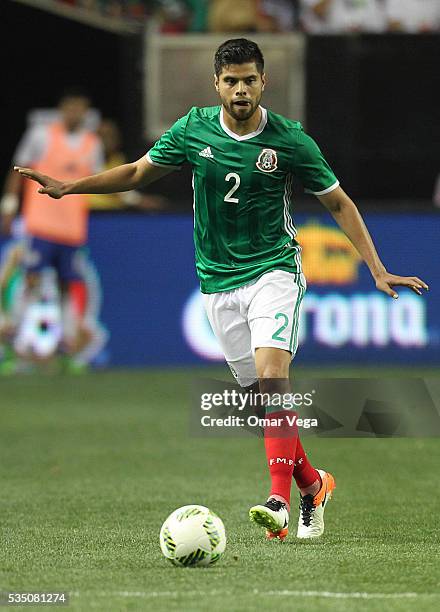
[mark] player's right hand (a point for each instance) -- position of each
(49, 186)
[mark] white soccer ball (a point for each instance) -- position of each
(193, 536)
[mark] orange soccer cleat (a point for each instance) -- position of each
(311, 509)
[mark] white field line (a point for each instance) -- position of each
(281, 593)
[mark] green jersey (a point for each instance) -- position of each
(242, 189)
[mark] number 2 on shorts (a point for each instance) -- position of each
(276, 335)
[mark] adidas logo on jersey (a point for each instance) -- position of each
(207, 153)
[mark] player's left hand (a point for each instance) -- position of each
(386, 281)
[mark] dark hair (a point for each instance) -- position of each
(238, 51)
(74, 92)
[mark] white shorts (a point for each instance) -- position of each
(263, 313)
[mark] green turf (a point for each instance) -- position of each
(91, 465)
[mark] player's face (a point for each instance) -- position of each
(240, 87)
(73, 111)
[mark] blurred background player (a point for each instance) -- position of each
(111, 139)
(56, 233)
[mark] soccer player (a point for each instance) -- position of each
(244, 159)
(67, 148)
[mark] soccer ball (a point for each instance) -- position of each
(193, 536)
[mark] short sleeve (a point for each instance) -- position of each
(170, 149)
(31, 147)
(310, 166)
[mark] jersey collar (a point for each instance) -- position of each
(235, 136)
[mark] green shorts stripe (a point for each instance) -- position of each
(293, 343)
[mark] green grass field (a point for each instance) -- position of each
(91, 465)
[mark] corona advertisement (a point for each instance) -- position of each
(344, 318)
(150, 308)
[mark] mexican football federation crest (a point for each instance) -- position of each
(267, 160)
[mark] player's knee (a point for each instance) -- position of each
(275, 366)
(271, 370)
(273, 375)
(272, 363)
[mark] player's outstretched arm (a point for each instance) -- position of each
(121, 178)
(346, 214)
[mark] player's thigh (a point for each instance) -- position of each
(39, 254)
(274, 310)
(233, 334)
(66, 263)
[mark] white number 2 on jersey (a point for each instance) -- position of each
(228, 196)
